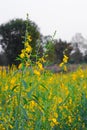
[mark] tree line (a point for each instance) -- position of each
(12, 36)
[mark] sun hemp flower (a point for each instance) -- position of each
(25, 53)
(36, 72)
(65, 59)
(29, 38)
(40, 66)
(28, 49)
(22, 55)
(62, 64)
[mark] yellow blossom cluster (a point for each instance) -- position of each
(38, 69)
(54, 100)
(25, 53)
(63, 64)
(35, 99)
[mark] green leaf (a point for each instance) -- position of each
(24, 84)
(30, 93)
(14, 87)
(44, 86)
(25, 101)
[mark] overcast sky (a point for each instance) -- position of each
(67, 17)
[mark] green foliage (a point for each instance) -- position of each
(50, 50)
(46, 102)
(76, 57)
(13, 33)
(61, 48)
(32, 98)
(56, 49)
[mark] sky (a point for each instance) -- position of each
(66, 17)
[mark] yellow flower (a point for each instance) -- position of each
(70, 101)
(65, 59)
(28, 49)
(22, 55)
(60, 100)
(42, 59)
(70, 119)
(20, 66)
(74, 76)
(65, 68)
(11, 127)
(40, 65)
(55, 115)
(26, 43)
(37, 72)
(6, 87)
(13, 80)
(32, 104)
(23, 51)
(29, 38)
(27, 64)
(61, 64)
(54, 121)
(27, 55)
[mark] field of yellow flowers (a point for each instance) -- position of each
(48, 101)
(32, 98)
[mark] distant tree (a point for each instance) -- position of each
(85, 56)
(49, 49)
(3, 59)
(76, 57)
(55, 49)
(61, 48)
(12, 35)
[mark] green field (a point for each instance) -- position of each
(43, 101)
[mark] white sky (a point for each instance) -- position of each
(67, 17)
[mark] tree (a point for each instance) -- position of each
(3, 59)
(49, 49)
(12, 35)
(55, 49)
(61, 48)
(76, 57)
(85, 57)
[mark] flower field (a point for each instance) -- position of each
(47, 101)
(33, 98)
